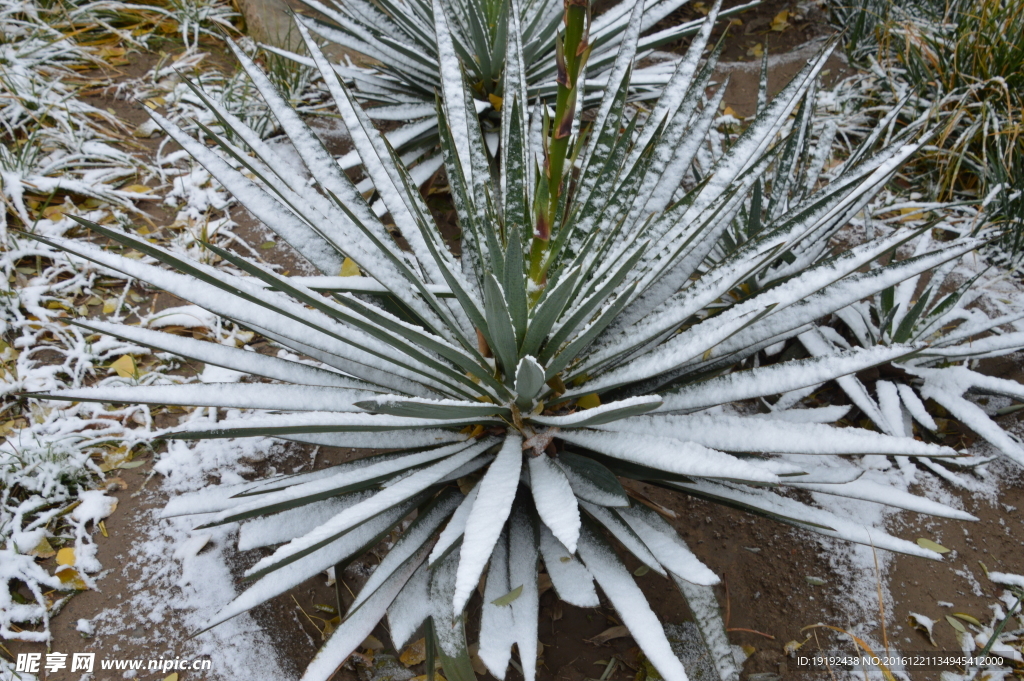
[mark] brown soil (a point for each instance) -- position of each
(768, 600)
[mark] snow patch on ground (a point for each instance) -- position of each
(186, 575)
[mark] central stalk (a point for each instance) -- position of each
(571, 52)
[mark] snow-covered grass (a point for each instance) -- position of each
(56, 451)
(62, 156)
(962, 61)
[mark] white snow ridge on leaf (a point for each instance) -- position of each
(555, 501)
(618, 585)
(490, 510)
(572, 581)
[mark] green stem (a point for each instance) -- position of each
(571, 53)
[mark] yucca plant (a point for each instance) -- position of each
(397, 37)
(938, 310)
(590, 334)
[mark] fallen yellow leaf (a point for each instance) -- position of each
(496, 101)
(589, 401)
(125, 366)
(414, 653)
(66, 556)
(54, 213)
(137, 188)
(756, 51)
(114, 459)
(69, 577)
(931, 546)
(781, 21)
(909, 214)
(109, 306)
(349, 268)
(43, 550)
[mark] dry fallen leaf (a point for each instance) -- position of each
(756, 51)
(544, 583)
(610, 633)
(54, 213)
(924, 624)
(474, 659)
(931, 546)
(329, 627)
(349, 268)
(781, 21)
(414, 653)
(125, 367)
(510, 597)
(968, 618)
(66, 556)
(69, 577)
(115, 459)
(955, 623)
(44, 550)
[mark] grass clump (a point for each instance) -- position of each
(964, 61)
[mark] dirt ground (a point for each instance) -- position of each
(764, 565)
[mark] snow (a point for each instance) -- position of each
(412, 540)
(227, 395)
(632, 607)
(455, 528)
(667, 546)
(572, 581)
(287, 525)
(353, 516)
(497, 634)
(777, 378)
(412, 605)
(200, 581)
(1006, 578)
(666, 453)
(490, 510)
(357, 626)
(554, 500)
(522, 571)
(625, 535)
(734, 433)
